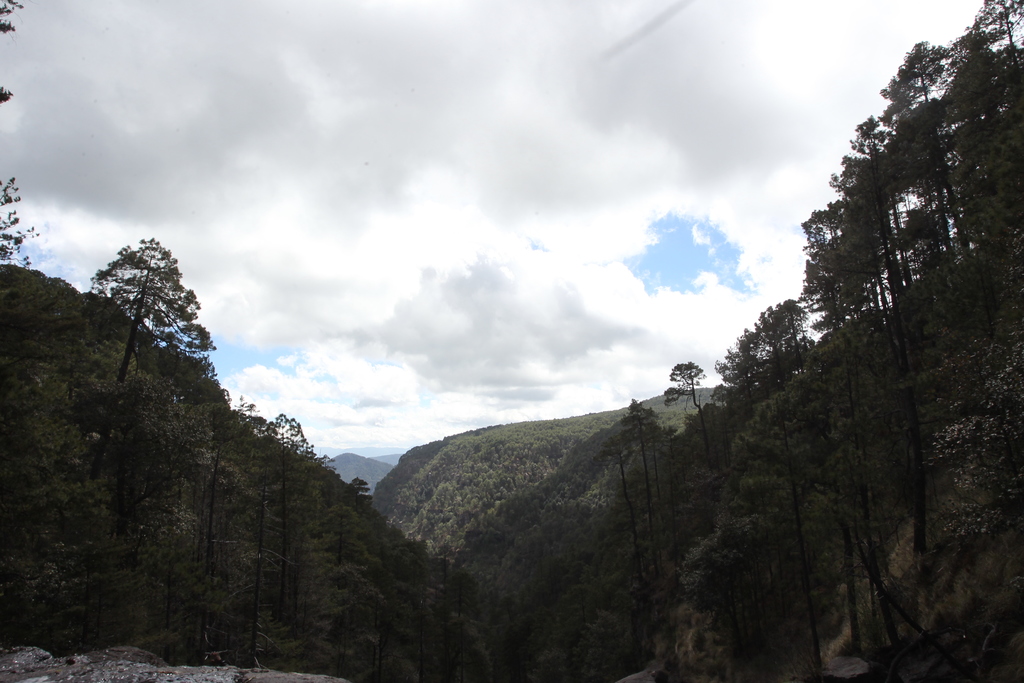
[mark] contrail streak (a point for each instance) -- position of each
(646, 30)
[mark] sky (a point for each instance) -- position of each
(409, 218)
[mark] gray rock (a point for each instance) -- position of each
(278, 677)
(130, 665)
(23, 659)
(642, 677)
(652, 675)
(847, 669)
(123, 653)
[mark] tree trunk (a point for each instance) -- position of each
(805, 578)
(650, 505)
(851, 587)
(805, 565)
(637, 555)
(129, 347)
(259, 576)
(900, 346)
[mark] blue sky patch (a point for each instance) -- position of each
(231, 358)
(677, 258)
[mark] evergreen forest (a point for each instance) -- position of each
(854, 486)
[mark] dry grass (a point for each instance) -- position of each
(705, 655)
(1011, 670)
(970, 587)
(974, 587)
(969, 584)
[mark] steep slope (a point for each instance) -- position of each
(188, 527)
(531, 485)
(504, 546)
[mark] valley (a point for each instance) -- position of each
(846, 503)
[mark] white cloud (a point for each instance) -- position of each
(431, 203)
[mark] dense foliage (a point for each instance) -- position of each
(137, 506)
(450, 489)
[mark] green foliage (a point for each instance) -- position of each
(714, 569)
(143, 509)
(523, 508)
(436, 491)
(7, 8)
(11, 238)
(145, 284)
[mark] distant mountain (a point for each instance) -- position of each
(365, 451)
(349, 466)
(492, 493)
(391, 459)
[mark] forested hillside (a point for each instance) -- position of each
(138, 507)
(438, 489)
(485, 494)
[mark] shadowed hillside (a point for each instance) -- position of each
(350, 466)
(531, 486)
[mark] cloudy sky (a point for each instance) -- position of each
(409, 218)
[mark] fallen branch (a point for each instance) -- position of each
(876, 581)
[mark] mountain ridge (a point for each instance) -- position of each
(476, 491)
(350, 466)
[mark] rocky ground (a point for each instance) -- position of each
(130, 665)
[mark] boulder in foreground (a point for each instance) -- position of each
(130, 665)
